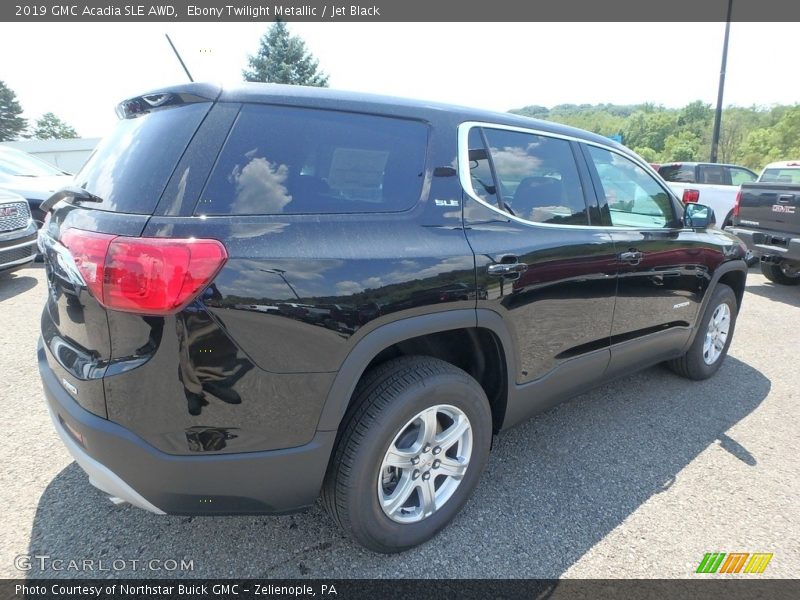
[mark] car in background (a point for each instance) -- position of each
(31, 178)
(17, 233)
(713, 184)
(767, 219)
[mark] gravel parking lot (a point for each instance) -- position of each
(638, 478)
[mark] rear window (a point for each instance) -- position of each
(131, 167)
(281, 160)
(678, 173)
(781, 176)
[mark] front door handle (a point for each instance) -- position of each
(503, 269)
(633, 257)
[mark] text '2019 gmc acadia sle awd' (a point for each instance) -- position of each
(263, 294)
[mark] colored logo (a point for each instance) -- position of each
(734, 562)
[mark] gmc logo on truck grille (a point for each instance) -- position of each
(779, 208)
(8, 211)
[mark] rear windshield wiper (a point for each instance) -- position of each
(70, 194)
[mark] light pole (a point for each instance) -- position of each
(718, 113)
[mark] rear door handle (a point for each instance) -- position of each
(633, 257)
(502, 269)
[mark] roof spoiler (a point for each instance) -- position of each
(167, 98)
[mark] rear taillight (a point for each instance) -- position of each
(736, 203)
(691, 196)
(152, 276)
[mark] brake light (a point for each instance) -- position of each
(691, 196)
(736, 203)
(153, 276)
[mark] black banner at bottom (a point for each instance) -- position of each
(346, 589)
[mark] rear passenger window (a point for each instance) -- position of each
(280, 160)
(537, 177)
(634, 197)
(715, 175)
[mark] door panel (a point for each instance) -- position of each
(550, 275)
(662, 270)
(663, 287)
(561, 306)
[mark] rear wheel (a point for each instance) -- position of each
(713, 337)
(782, 273)
(411, 452)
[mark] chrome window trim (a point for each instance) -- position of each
(466, 183)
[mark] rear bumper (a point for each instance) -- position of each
(126, 467)
(770, 246)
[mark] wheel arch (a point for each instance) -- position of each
(732, 273)
(418, 334)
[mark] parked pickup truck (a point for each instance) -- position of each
(767, 219)
(713, 184)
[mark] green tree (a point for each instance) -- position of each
(750, 136)
(754, 149)
(646, 153)
(11, 124)
(649, 129)
(50, 127)
(283, 58)
(683, 145)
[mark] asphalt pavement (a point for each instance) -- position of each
(638, 478)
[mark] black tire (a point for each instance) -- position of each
(692, 365)
(775, 274)
(385, 400)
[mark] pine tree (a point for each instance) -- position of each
(283, 58)
(11, 124)
(50, 127)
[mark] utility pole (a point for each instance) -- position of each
(180, 60)
(718, 113)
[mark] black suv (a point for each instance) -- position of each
(263, 293)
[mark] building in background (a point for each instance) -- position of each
(67, 155)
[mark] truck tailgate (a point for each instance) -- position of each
(771, 207)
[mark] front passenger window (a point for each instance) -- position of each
(633, 196)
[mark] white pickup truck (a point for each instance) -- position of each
(712, 184)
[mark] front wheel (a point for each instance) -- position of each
(413, 448)
(713, 337)
(782, 273)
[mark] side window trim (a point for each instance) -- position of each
(590, 196)
(464, 173)
(597, 187)
(498, 196)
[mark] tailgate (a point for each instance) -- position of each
(125, 179)
(771, 207)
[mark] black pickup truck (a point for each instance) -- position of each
(767, 219)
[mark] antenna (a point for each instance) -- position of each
(180, 60)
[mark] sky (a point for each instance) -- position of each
(80, 71)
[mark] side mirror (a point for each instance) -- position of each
(698, 216)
